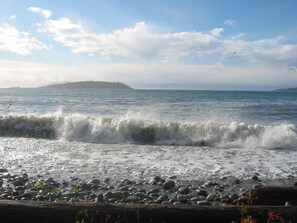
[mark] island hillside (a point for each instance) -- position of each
(89, 84)
(287, 90)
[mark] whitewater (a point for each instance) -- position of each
(136, 134)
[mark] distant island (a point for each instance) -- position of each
(88, 85)
(287, 90)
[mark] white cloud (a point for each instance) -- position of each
(230, 22)
(140, 41)
(216, 31)
(144, 42)
(271, 52)
(12, 17)
(13, 40)
(45, 13)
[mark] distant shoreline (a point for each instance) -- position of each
(88, 85)
(286, 90)
(119, 85)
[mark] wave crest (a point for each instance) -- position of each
(78, 127)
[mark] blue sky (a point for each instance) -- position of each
(183, 44)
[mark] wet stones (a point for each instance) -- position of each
(146, 191)
(206, 203)
(213, 197)
(184, 190)
(168, 185)
(2, 170)
(202, 192)
(255, 178)
(94, 181)
(5, 175)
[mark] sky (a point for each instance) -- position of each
(150, 44)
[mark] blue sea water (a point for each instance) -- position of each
(137, 133)
(147, 116)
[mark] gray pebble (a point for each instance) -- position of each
(94, 181)
(255, 177)
(203, 203)
(184, 190)
(99, 198)
(182, 198)
(212, 197)
(257, 186)
(202, 192)
(5, 175)
(168, 185)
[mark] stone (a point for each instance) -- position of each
(140, 195)
(3, 170)
(85, 186)
(127, 182)
(161, 198)
(212, 197)
(155, 190)
(195, 199)
(65, 184)
(18, 183)
(19, 188)
(236, 181)
(234, 196)
(203, 203)
(184, 190)
(29, 194)
(5, 175)
(94, 181)
(182, 198)
(168, 185)
(107, 195)
(132, 199)
(255, 186)
(255, 177)
(157, 178)
(99, 198)
(202, 192)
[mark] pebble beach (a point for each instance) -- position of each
(157, 190)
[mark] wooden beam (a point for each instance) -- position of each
(47, 212)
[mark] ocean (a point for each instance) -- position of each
(139, 134)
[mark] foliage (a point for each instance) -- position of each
(273, 217)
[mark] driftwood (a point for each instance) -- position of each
(46, 212)
(274, 195)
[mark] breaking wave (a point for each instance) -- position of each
(82, 128)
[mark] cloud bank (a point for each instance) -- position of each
(146, 55)
(148, 43)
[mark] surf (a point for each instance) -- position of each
(129, 130)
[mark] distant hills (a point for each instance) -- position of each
(88, 85)
(287, 90)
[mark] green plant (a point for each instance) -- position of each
(74, 190)
(273, 217)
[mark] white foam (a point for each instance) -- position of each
(137, 130)
(65, 159)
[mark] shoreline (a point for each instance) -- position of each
(33, 199)
(211, 192)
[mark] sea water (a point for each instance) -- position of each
(193, 135)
